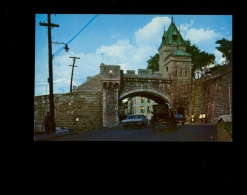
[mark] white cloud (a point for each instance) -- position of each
(130, 56)
(218, 57)
(151, 34)
(200, 35)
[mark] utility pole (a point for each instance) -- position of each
(50, 79)
(230, 102)
(72, 71)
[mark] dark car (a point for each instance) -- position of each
(135, 120)
(180, 118)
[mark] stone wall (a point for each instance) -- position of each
(83, 108)
(80, 110)
(210, 94)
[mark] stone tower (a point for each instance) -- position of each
(111, 76)
(175, 64)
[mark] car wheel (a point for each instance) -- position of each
(125, 127)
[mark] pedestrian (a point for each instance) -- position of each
(200, 117)
(204, 118)
(169, 113)
(47, 122)
(193, 118)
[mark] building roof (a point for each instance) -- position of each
(167, 36)
(178, 52)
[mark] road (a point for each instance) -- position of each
(182, 133)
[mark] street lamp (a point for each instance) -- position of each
(66, 48)
(50, 79)
(66, 45)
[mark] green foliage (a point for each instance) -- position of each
(225, 48)
(199, 59)
(228, 127)
(153, 63)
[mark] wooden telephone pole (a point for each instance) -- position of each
(72, 71)
(50, 79)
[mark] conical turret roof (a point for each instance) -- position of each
(167, 36)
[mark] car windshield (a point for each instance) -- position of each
(133, 116)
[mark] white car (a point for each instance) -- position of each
(225, 118)
(135, 120)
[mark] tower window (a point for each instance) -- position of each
(180, 73)
(185, 73)
(174, 36)
(166, 68)
(175, 73)
(142, 99)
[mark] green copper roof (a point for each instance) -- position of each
(167, 38)
(178, 52)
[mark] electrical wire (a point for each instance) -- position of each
(61, 49)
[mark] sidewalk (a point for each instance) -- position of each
(44, 137)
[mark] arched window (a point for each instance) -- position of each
(166, 68)
(185, 73)
(175, 73)
(180, 73)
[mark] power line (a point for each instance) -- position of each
(57, 52)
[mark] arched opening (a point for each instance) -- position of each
(139, 102)
(180, 110)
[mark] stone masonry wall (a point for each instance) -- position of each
(79, 110)
(210, 94)
(83, 108)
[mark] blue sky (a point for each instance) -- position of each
(127, 40)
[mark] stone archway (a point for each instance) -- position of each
(180, 110)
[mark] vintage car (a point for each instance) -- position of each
(180, 119)
(162, 115)
(225, 118)
(135, 120)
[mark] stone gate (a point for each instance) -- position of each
(95, 103)
(117, 86)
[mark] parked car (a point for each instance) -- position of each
(180, 118)
(135, 120)
(225, 118)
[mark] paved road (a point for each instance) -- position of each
(182, 133)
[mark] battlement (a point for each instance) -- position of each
(143, 73)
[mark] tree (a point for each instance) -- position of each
(225, 48)
(199, 59)
(153, 63)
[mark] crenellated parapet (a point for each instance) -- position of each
(143, 73)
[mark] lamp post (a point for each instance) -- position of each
(66, 48)
(50, 79)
